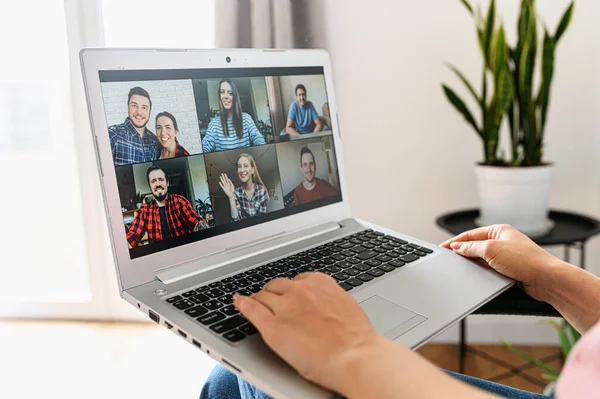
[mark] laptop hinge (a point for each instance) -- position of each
(247, 250)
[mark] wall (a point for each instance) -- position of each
(197, 170)
(388, 61)
(176, 97)
(315, 86)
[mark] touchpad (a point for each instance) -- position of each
(388, 318)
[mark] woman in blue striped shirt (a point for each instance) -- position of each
(234, 128)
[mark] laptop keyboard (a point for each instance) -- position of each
(352, 261)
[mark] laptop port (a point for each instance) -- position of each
(184, 335)
(168, 325)
(198, 344)
(154, 316)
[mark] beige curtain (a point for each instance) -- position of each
(270, 23)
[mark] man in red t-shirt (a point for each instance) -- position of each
(312, 188)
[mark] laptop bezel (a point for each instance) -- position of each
(134, 272)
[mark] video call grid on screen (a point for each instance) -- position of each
(184, 180)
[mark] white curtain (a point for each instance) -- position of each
(269, 23)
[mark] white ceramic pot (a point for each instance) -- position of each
(517, 196)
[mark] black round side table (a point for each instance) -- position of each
(571, 230)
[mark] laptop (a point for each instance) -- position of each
(223, 169)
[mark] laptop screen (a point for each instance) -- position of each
(202, 152)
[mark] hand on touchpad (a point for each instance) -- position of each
(389, 319)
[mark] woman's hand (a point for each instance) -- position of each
(510, 253)
(313, 324)
(227, 186)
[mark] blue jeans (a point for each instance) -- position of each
(221, 384)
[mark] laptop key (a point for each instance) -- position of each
(346, 253)
(199, 298)
(243, 282)
(388, 247)
(345, 286)
(329, 261)
(255, 278)
(226, 299)
(362, 267)
(367, 254)
(230, 310)
(386, 268)
(333, 269)
(354, 282)
(196, 311)
(380, 250)
(351, 271)
(419, 253)
(343, 264)
(415, 246)
(203, 289)
(234, 336)
(189, 294)
(407, 248)
(212, 304)
(229, 287)
(248, 329)
(214, 293)
(244, 292)
(398, 240)
(384, 258)
(409, 257)
(358, 249)
(268, 273)
(346, 245)
(211, 318)
(368, 245)
(426, 250)
(338, 257)
(228, 324)
(373, 262)
(183, 304)
(396, 263)
(364, 277)
(375, 272)
(174, 299)
(254, 288)
(353, 261)
(341, 276)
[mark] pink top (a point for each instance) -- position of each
(580, 378)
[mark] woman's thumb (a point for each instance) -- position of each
(470, 249)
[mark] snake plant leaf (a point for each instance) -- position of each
(552, 372)
(547, 71)
(468, 6)
(465, 81)
(550, 377)
(574, 333)
(565, 341)
(459, 104)
(564, 22)
(489, 29)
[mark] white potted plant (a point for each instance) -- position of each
(514, 191)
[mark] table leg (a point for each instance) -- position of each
(463, 346)
(582, 255)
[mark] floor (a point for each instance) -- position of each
(138, 360)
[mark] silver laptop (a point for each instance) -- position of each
(223, 169)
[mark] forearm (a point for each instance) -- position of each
(389, 370)
(234, 210)
(575, 293)
(291, 131)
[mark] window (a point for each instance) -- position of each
(44, 257)
(157, 23)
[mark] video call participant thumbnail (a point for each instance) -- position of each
(302, 116)
(131, 141)
(232, 128)
(167, 132)
(251, 196)
(168, 216)
(311, 188)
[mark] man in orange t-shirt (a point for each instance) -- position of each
(312, 188)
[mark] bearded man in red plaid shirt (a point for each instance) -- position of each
(168, 216)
